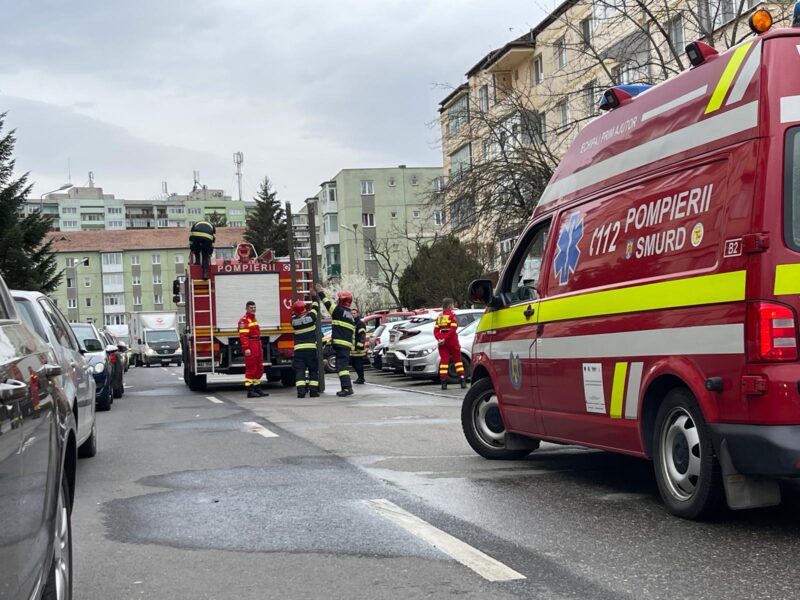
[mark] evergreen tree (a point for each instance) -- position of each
(443, 269)
(26, 258)
(217, 220)
(266, 225)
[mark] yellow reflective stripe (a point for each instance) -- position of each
(244, 331)
(787, 279)
(727, 77)
(305, 346)
(343, 373)
(343, 343)
(201, 234)
(618, 389)
(349, 326)
(689, 291)
(313, 383)
(305, 330)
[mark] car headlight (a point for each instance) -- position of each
(150, 352)
(99, 367)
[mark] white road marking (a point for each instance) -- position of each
(254, 427)
(214, 400)
(472, 558)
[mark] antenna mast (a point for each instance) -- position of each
(238, 159)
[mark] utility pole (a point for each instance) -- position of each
(238, 159)
(312, 232)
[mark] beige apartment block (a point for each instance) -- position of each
(505, 128)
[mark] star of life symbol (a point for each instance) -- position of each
(568, 253)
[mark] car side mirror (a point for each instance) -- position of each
(480, 291)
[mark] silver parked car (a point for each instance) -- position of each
(42, 316)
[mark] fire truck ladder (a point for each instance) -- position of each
(302, 250)
(203, 334)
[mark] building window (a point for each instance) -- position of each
(560, 49)
(563, 112)
(392, 182)
(156, 259)
(112, 258)
(72, 303)
(158, 299)
(179, 259)
(675, 32)
(460, 161)
(136, 280)
(415, 214)
(69, 224)
(393, 214)
(177, 210)
(368, 219)
(367, 187)
(88, 302)
(87, 282)
(137, 300)
(590, 97)
(414, 180)
(112, 279)
(181, 318)
(135, 259)
(457, 115)
(369, 253)
(114, 210)
(194, 211)
(156, 278)
(586, 32)
(438, 184)
(70, 282)
(332, 194)
(116, 319)
(116, 224)
(112, 299)
(162, 223)
(438, 216)
(483, 97)
(70, 262)
(69, 210)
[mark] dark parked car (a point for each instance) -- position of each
(116, 360)
(38, 455)
(94, 351)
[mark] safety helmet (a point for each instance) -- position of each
(345, 299)
(299, 307)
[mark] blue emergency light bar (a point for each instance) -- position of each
(616, 95)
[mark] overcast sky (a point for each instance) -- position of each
(149, 91)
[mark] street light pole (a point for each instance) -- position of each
(66, 186)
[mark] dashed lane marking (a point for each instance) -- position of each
(254, 427)
(214, 400)
(472, 558)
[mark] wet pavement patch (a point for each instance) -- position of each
(298, 505)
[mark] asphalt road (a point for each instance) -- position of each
(215, 496)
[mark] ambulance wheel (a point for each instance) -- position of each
(483, 424)
(687, 471)
(197, 383)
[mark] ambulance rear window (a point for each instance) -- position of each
(791, 189)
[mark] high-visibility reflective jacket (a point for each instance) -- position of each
(203, 230)
(305, 328)
(445, 326)
(359, 339)
(249, 331)
(344, 325)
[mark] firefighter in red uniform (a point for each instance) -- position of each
(250, 342)
(444, 330)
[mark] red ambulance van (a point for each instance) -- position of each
(651, 305)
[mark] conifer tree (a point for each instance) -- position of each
(26, 258)
(266, 225)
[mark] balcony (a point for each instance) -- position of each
(334, 270)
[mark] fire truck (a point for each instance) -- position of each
(214, 306)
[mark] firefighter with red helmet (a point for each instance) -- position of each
(250, 343)
(445, 331)
(359, 353)
(306, 367)
(342, 334)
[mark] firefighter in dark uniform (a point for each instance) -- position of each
(250, 342)
(201, 244)
(304, 322)
(359, 350)
(342, 334)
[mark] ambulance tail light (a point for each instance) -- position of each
(771, 332)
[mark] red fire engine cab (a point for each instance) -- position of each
(214, 307)
(650, 307)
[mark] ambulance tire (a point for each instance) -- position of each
(483, 425)
(197, 383)
(687, 472)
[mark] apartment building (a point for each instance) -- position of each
(505, 128)
(364, 211)
(91, 209)
(108, 274)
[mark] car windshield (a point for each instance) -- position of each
(25, 309)
(469, 329)
(394, 318)
(379, 331)
(166, 335)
